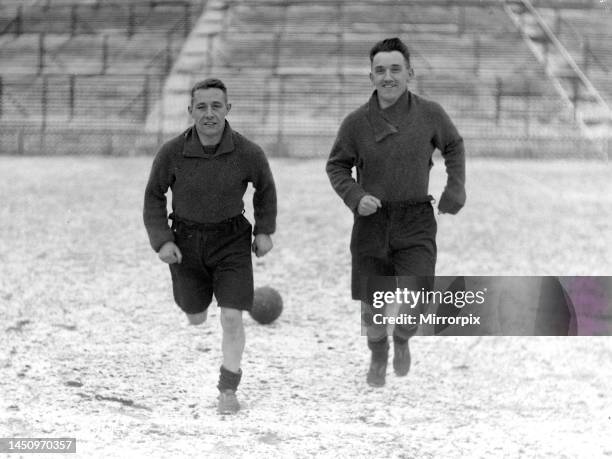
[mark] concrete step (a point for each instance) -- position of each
(170, 113)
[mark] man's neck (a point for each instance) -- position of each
(208, 141)
(386, 104)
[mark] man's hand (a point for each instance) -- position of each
(368, 205)
(170, 253)
(449, 205)
(262, 244)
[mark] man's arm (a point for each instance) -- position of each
(155, 214)
(450, 144)
(342, 159)
(264, 204)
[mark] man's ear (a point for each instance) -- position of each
(228, 106)
(189, 109)
(411, 73)
(371, 78)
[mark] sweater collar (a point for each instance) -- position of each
(193, 147)
(381, 120)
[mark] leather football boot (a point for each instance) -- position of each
(378, 369)
(228, 402)
(401, 358)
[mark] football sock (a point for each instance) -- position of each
(379, 346)
(228, 379)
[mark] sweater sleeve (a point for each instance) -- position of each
(450, 144)
(342, 158)
(155, 212)
(264, 198)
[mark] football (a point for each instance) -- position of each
(267, 305)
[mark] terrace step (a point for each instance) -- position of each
(169, 115)
(590, 110)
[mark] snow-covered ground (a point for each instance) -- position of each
(93, 347)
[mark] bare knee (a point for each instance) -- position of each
(231, 320)
(197, 319)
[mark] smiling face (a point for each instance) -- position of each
(390, 75)
(208, 109)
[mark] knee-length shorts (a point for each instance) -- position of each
(216, 261)
(397, 240)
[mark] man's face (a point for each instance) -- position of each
(208, 109)
(390, 76)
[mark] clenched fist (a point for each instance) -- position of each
(262, 244)
(170, 253)
(368, 205)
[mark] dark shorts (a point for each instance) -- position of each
(398, 240)
(216, 260)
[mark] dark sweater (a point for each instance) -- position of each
(392, 152)
(208, 188)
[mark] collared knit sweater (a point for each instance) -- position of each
(392, 152)
(208, 188)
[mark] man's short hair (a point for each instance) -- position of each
(207, 84)
(390, 44)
